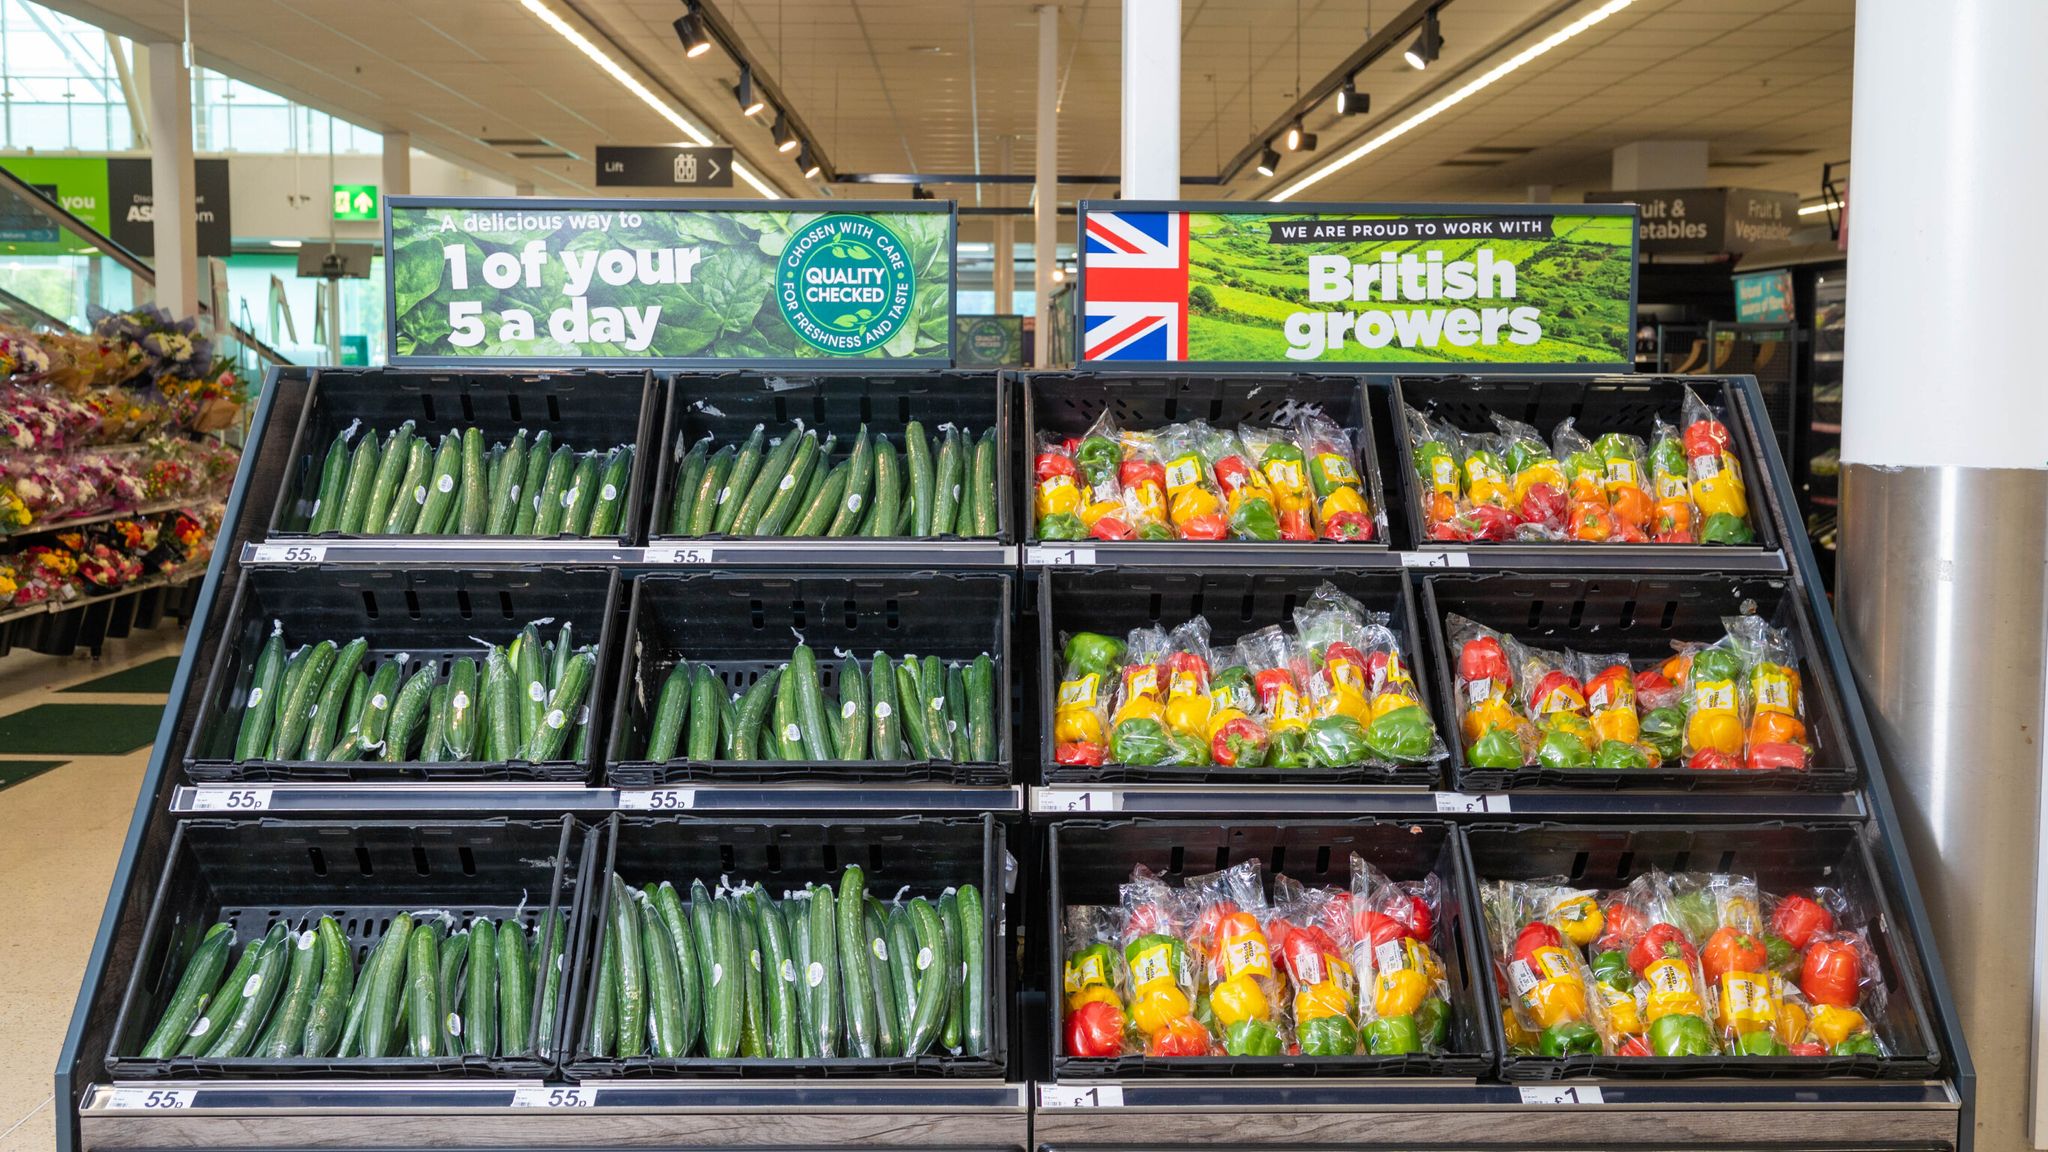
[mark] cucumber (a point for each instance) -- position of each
(355, 495)
(753, 710)
(611, 493)
(195, 988)
(704, 507)
(860, 482)
(404, 511)
(434, 743)
(903, 974)
(668, 906)
(437, 513)
(818, 513)
(392, 462)
(917, 460)
(823, 927)
(259, 706)
(885, 722)
(906, 519)
(358, 1032)
(251, 1001)
(768, 481)
(553, 947)
(946, 485)
(949, 926)
(739, 483)
(780, 1017)
(986, 738)
(717, 951)
(475, 502)
(625, 925)
(911, 710)
(337, 986)
(855, 977)
(564, 704)
(974, 970)
(932, 707)
(538, 456)
(933, 985)
(705, 694)
(350, 746)
(665, 727)
(790, 490)
(325, 717)
(515, 990)
(796, 917)
(286, 1032)
(423, 993)
(787, 737)
(985, 498)
(581, 498)
(298, 706)
(454, 955)
(852, 723)
(376, 715)
(564, 650)
(333, 479)
(731, 970)
(664, 985)
(753, 994)
(690, 470)
(888, 1025)
(728, 724)
(501, 708)
(547, 516)
(529, 682)
(507, 487)
(480, 991)
(887, 500)
(604, 1017)
(294, 669)
(463, 701)
(225, 998)
(815, 478)
(957, 728)
(406, 714)
(810, 702)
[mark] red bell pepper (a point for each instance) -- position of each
(1134, 473)
(1536, 934)
(1210, 526)
(1488, 522)
(1348, 526)
(1231, 474)
(1705, 438)
(1709, 758)
(1625, 922)
(1544, 505)
(1095, 1030)
(1111, 528)
(1182, 1037)
(1413, 913)
(1484, 659)
(1775, 755)
(1831, 973)
(1636, 1045)
(1799, 919)
(1660, 941)
(1376, 928)
(1080, 753)
(1049, 464)
(1239, 741)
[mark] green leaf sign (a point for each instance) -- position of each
(686, 281)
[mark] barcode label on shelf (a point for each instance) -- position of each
(658, 799)
(151, 1099)
(290, 553)
(1064, 800)
(1076, 1096)
(554, 1098)
(1562, 1094)
(681, 554)
(230, 799)
(1059, 556)
(1462, 802)
(1435, 560)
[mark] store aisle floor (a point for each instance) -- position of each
(62, 820)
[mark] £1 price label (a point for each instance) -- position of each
(1059, 557)
(1562, 1094)
(1064, 800)
(555, 1097)
(1435, 560)
(1080, 1096)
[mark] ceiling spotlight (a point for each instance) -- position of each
(743, 92)
(808, 163)
(1352, 102)
(785, 140)
(690, 30)
(1269, 162)
(1294, 136)
(1428, 43)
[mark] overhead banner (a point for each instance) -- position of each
(1373, 284)
(676, 281)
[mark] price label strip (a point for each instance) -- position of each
(289, 554)
(151, 1099)
(1562, 1094)
(1063, 800)
(584, 1097)
(1435, 560)
(1463, 802)
(681, 554)
(230, 799)
(658, 799)
(1058, 557)
(1077, 1096)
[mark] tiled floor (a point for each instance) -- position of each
(60, 833)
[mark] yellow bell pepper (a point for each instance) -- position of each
(1094, 993)
(1672, 990)
(1238, 998)
(1387, 702)
(1720, 488)
(1160, 1005)
(1139, 708)
(1398, 992)
(1342, 500)
(1517, 1036)
(1077, 726)
(1090, 513)
(1329, 998)
(1056, 495)
(1189, 714)
(1573, 723)
(1793, 1021)
(1218, 718)
(1488, 715)
(1484, 483)
(1541, 472)
(1834, 1025)
(1188, 503)
(1343, 701)
(1623, 1017)
(1557, 1000)
(1578, 918)
(1617, 724)
(1746, 1003)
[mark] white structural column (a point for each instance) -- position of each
(397, 165)
(170, 177)
(1945, 499)
(1151, 105)
(1005, 240)
(1045, 225)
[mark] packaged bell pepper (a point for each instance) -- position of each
(1776, 733)
(1401, 730)
(1495, 733)
(1621, 455)
(1269, 653)
(1188, 702)
(1714, 707)
(1056, 493)
(1244, 990)
(1142, 475)
(1536, 488)
(1610, 698)
(1555, 700)
(1237, 738)
(1246, 496)
(1671, 989)
(1330, 631)
(1082, 707)
(1137, 733)
(1314, 959)
(1714, 475)
(1404, 1001)
(1194, 505)
(1672, 520)
(1162, 970)
(1434, 447)
(1587, 518)
(1274, 453)
(1095, 983)
(1546, 980)
(1736, 962)
(1341, 510)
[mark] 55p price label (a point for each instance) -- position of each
(658, 799)
(554, 1098)
(151, 1099)
(230, 799)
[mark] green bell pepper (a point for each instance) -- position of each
(1337, 741)
(1251, 1038)
(1393, 1036)
(1664, 730)
(1403, 736)
(1496, 749)
(1861, 1044)
(1098, 457)
(1426, 455)
(1182, 748)
(1694, 913)
(1715, 664)
(1620, 754)
(1580, 462)
(1155, 530)
(1726, 528)
(1615, 446)
(1571, 1038)
(1255, 519)
(1563, 750)
(1433, 1021)
(1327, 1036)
(1094, 652)
(1681, 1036)
(1779, 953)
(1667, 455)
(1523, 452)
(1289, 750)
(1611, 968)
(1062, 526)
(1758, 1043)
(1232, 687)
(1139, 741)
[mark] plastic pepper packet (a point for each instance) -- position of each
(1776, 734)
(1714, 475)
(1496, 731)
(1341, 509)
(1829, 969)
(1088, 682)
(1164, 977)
(1310, 931)
(1362, 694)
(1404, 1003)
(1547, 992)
(1095, 984)
(1194, 503)
(1242, 1002)
(1138, 731)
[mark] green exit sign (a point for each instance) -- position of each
(355, 202)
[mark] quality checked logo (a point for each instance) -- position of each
(845, 284)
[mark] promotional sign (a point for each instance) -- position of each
(1709, 220)
(77, 183)
(666, 280)
(131, 220)
(1764, 297)
(111, 195)
(988, 341)
(1522, 284)
(663, 166)
(355, 202)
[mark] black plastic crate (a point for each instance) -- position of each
(727, 405)
(926, 854)
(586, 411)
(252, 874)
(1642, 616)
(1113, 602)
(429, 616)
(1780, 857)
(1067, 403)
(744, 625)
(1629, 404)
(1090, 860)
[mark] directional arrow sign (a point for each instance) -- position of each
(355, 202)
(663, 166)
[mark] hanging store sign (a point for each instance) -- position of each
(664, 166)
(1275, 284)
(674, 281)
(354, 201)
(131, 201)
(1711, 221)
(113, 196)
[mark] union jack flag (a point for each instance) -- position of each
(1135, 286)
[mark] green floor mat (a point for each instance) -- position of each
(154, 676)
(13, 772)
(80, 729)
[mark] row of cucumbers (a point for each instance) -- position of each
(404, 485)
(943, 485)
(822, 973)
(525, 701)
(423, 992)
(908, 709)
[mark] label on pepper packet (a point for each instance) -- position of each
(1522, 977)
(1247, 956)
(1336, 469)
(1086, 971)
(1152, 968)
(1080, 692)
(1183, 472)
(1773, 685)
(1141, 681)
(1714, 696)
(1185, 682)
(1746, 998)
